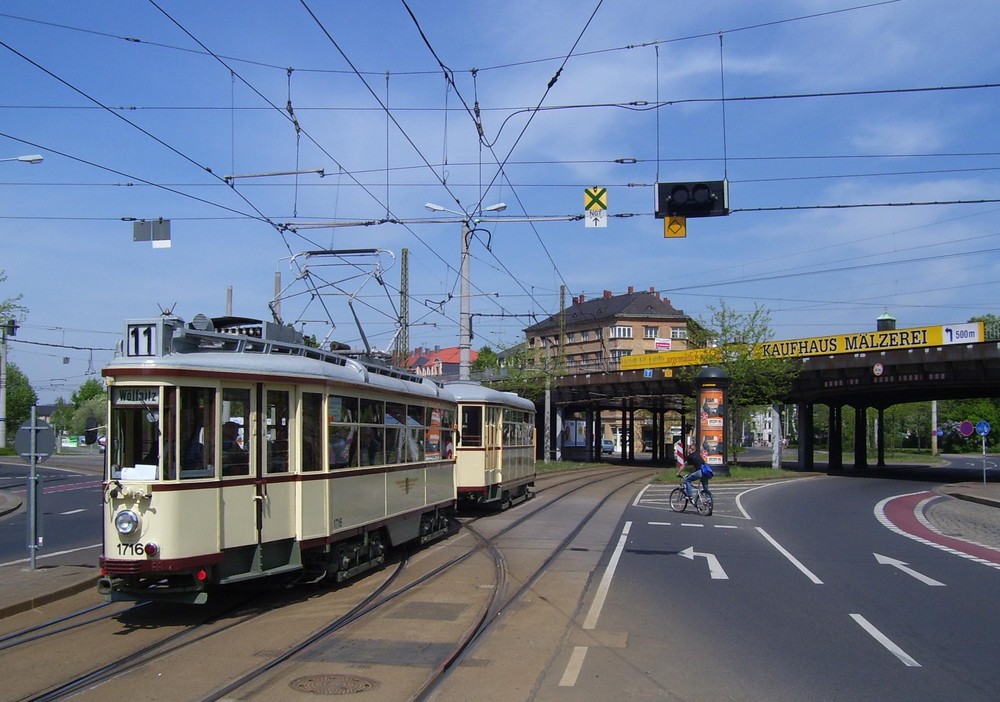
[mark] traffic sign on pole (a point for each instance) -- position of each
(45, 441)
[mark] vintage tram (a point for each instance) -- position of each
(236, 452)
(495, 455)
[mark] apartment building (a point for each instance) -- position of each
(601, 331)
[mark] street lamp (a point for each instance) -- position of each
(464, 320)
(31, 158)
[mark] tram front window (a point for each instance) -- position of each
(134, 442)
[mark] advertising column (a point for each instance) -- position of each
(711, 429)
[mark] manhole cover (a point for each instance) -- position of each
(333, 684)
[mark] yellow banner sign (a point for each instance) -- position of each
(861, 342)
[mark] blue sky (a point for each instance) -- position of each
(832, 106)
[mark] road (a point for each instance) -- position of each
(70, 506)
(791, 591)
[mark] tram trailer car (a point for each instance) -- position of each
(236, 453)
(495, 455)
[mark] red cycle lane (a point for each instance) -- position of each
(903, 514)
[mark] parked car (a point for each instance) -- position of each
(607, 446)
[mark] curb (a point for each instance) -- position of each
(47, 598)
(989, 502)
(9, 504)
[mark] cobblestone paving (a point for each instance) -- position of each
(965, 520)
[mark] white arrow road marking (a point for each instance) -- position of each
(714, 567)
(885, 560)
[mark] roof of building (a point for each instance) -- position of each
(632, 305)
(425, 357)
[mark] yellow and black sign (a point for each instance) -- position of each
(595, 198)
(674, 227)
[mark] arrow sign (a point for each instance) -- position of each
(714, 567)
(885, 560)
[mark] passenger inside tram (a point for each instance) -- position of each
(235, 460)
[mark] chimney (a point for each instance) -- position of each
(631, 289)
(607, 294)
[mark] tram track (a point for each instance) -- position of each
(68, 621)
(134, 666)
(491, 610)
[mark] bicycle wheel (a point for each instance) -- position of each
(678, 500)
(704, 503)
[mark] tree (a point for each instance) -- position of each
(21, 397)
(11, 307)
(754, 380)
(89, 401)
(516, 374)
(991, 326)
(486, 360)
(62, 416)
(94, 408)
(90, 389)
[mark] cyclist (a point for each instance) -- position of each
(700, 471)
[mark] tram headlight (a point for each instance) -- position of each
(127, 522)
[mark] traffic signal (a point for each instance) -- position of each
(708, 198)
(90, 432)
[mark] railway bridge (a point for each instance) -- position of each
(937, 367)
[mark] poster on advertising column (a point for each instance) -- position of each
(711, 425)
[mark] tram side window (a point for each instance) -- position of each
(440, 435)
(447, 434)
(135, 434)
(494, 421)
(372, 433)
(472, 426)
(197, 432)
(278, 418)
(312, 432)
(415, 432)
(233, 433)
(395, 420)
(342, 413)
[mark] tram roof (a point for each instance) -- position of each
(472, 391)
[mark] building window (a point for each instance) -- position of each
(585, 336)
(618, 354)
(571, 337)
(621, 332)
(678, 333)
(649, 332)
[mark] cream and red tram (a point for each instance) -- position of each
(495, 454)
(237, 452)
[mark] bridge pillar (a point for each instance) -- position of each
(860, 438)
(835, 462)
(880, 438)
(807, 440)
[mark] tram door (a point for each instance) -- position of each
(236, 442)
(275, 484)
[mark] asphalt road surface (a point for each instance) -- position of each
(791, 591)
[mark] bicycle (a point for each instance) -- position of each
(702, 500)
